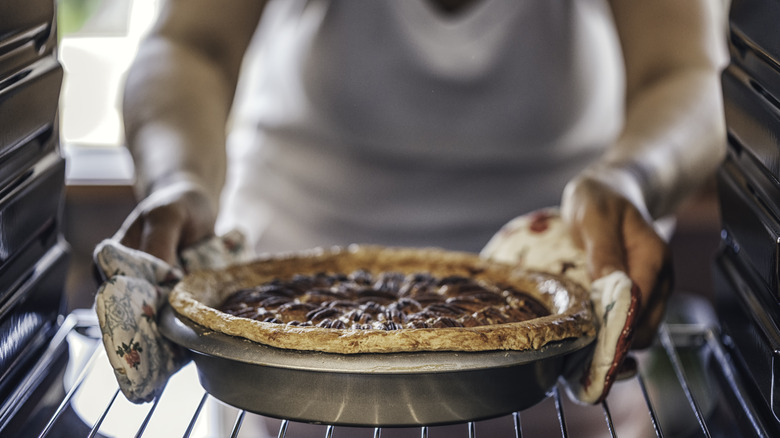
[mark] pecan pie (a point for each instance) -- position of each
(369, 299)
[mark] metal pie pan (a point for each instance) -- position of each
(378, 389)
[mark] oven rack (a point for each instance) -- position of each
(715, 401)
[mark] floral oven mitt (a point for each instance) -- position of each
(541, 241)
(135, 286)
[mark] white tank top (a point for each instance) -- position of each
(390, 122)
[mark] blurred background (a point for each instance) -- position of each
(98, 40)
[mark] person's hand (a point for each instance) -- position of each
(169, 219)
(615, 235)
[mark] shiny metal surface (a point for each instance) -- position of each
(753, 122)
(749, 228)
(403, 389)
(686, 385)
(755, 21)
(29, 102)
(751, 321)
(28, 208)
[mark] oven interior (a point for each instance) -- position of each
(710, 373)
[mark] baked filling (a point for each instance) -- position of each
(387, 301)
(372, 299)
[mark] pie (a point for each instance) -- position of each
(373, 299)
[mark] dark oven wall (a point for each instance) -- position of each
(33, 255)
(747, 281)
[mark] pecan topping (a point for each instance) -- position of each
(361, 277)
(318, 296)
(389, 282)
(390, 325)
(442, 322)
(406, 305)
(321, 313)
(417, 324)
(343, 304)
(466, 304)
(244, 311)
(338, 324)
(294, 311)
(443, 309)
(273, 302)
(491, 315)
(387, 301)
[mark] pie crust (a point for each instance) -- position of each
(199, 294)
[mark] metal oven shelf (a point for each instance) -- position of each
(686, 385)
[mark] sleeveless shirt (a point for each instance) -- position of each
(390, 122)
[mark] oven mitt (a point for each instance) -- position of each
(135, 286)
(541, 241)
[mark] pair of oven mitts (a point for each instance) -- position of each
(135, 287)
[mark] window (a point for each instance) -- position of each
(98, 40)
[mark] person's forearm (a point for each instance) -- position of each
(176, 105)
(673, 139)
(674, 132)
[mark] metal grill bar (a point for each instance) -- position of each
(99, 422)
(651, 410)
(734, 385)
(283, 429)
(671, 351)
(76, 386)
(518, 425)
(238, 423)
(191, 425)
(672, 338)
(9, 410)
(608, 419)
(148, 417)
(559, 410)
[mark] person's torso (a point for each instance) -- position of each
(392, 122)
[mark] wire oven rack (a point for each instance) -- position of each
(686, 385)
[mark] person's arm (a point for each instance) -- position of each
(177, 98)
(674, 134)
(673, 139)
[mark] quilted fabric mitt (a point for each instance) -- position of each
(135, 286)
(541, 241)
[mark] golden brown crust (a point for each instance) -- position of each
(198, 294)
